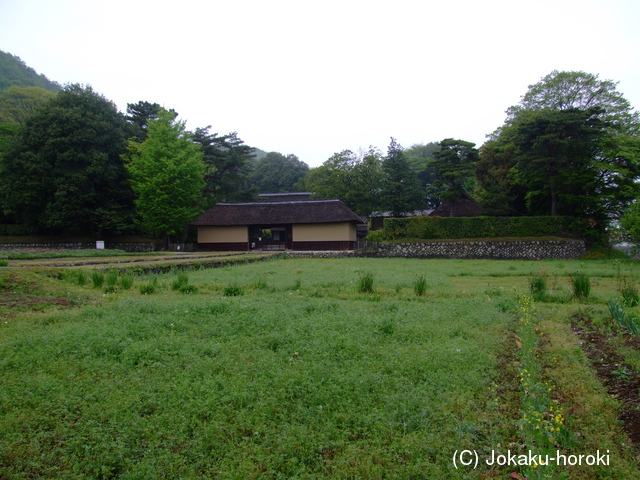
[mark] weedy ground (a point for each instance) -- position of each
(295, 368)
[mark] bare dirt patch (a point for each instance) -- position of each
(11, 303)
(620, 379)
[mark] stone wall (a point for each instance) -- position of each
(524, 250)
(322, 254)
(514, 250)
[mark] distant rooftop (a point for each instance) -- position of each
(284, 197)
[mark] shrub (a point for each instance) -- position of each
(627, 321)
(629, 294)
(127, 281)
(112, 278)
(365, 282)
(188, 289)
(581, 285)
(260, 284)
(232, 290)
(149, 288)
(180, 282)
(81, 278)
(491, 227)
(420, 285)
(97, 278)
(387, 327)
(375, 236)
(538, 287)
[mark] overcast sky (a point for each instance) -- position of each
(316, 77)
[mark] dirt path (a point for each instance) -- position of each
(80, 262)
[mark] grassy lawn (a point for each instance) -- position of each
(308, 369)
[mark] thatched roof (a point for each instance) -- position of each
(465, 206)
(277, 213)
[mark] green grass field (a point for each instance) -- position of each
(306, 369)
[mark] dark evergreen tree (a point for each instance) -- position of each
(401, 188)
(228, 167)
(140, 114)
(419, 156)
(63, 173)
(496, 188)
(563, 164)
(453, 165)
(572, 147)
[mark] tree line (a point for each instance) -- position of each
(71, 163)
(570, 147)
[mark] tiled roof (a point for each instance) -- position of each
(277, 213)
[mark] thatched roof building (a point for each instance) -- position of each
(295, 225)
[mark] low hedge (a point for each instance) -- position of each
(433, 228)
(16, 230)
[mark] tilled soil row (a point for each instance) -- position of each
(620, 379)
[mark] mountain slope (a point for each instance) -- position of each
(13, 71)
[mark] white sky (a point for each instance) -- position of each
(316, 77)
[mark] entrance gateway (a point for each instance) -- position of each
(271, 238)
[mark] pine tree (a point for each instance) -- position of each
(453, 166)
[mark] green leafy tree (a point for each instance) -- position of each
(18, 103)
(332, 179)
(356, 179)
(578, 90)
(630, 222)
(8, 131)
(228, 167)
(401, 188)
(167, 176)
(453, 165)
(277, 173)
(62, 173)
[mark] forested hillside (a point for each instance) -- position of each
(14, 72)
(62, 168)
